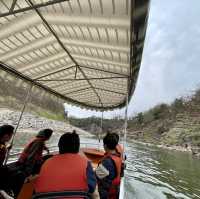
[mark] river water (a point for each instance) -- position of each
(151, 173)
(154, 173)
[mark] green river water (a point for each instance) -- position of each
(152, 173)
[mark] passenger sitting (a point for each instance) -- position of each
(31, 158)
(6, 132)
(68, 174)
(109, 170)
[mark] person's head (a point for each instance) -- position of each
(45, 133)
(110, 142)
(6, 132)
(117, 137)
(69, 143)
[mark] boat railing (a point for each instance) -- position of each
(54, 148)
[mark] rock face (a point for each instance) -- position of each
(33, 123)
(183, 133)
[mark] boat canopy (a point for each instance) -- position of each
(87, 52)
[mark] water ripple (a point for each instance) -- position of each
(153, 173)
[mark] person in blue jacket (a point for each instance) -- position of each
(106, 171)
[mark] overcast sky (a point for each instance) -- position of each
(170, 64)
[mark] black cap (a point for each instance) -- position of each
(110, 140)
(6, 129)
(69, 143)
(45, 133)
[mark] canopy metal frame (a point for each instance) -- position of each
(136, 47)
(66, 50)
(80, 79)
(47, 89)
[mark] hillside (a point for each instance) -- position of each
(177, 124)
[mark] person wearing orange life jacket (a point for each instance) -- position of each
(68, 174)
(120, 150)
(119, 147)
(109, 169)
(31, 158)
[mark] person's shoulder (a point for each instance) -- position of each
(107, 161)
(83, 158)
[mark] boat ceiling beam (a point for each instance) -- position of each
(80, 79)
(21, 10)
(103, 70)
(82, 89)
(13, 6)
(111, 91)
(54, 72)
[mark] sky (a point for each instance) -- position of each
(170, 64)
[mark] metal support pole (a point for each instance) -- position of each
(20, 117)
(125, 123)
(99, 138)
(102, 122)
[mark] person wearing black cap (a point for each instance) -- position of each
(109, 169)
(68, 174)
(6, 132)
(31, 158)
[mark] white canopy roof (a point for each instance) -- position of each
(87, 52)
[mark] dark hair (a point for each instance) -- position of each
(69, 143)
(117, 136)
(45, 133)
(110, 141)
(6, 129)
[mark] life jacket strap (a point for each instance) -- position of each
(61, 194)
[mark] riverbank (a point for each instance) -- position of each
(31, 123)
(193, 151)
(153, 173)
(180, 133)
(175, 148)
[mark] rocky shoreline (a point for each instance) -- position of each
(192, 150)
(32, 123)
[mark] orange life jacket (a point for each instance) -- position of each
(114, 189)
(63, 176)
(24, 155)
